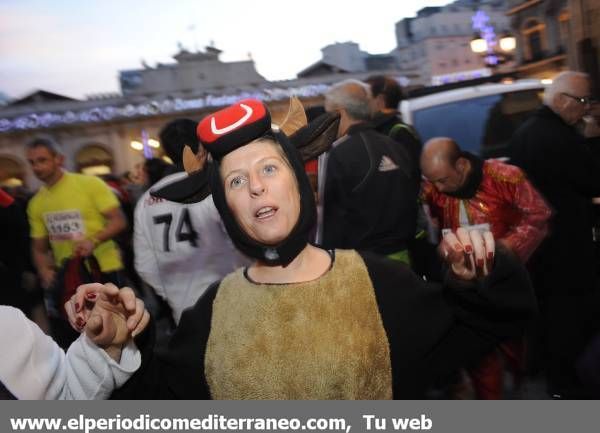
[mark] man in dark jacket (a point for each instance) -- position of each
(387, 95)
(371, 184)
(559, 163)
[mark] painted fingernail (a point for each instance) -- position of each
(490, 255)
(480, 263)
(79, 322)
(77, 307)
(468, 249)
(91, 296)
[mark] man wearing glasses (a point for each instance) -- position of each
(559, 161)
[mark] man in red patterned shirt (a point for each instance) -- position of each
(463, 190)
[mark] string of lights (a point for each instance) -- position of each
(146, 109)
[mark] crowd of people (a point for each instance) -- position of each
(276, 280)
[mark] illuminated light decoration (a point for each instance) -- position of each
(147, 150)
(479, 45)
(45, 120)
(454, 77)
(96, 170)
(481, 24)
(70, 117)
(153, 143)
(508, 43)
(12, 182)
(136, 145)
(491, 59)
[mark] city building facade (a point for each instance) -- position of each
(115, 133)
(436, 43)
(543, 32)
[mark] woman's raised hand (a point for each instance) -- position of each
(108, 315)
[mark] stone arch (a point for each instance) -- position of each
(94, 158)
(12, 171)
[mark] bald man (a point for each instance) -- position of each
(559, 162)
(462, 190)
(370, 185)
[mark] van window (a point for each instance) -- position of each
(481, 125)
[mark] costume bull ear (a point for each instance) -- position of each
(191, 161)
(317, 137)
(294, 119)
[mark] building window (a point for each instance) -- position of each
(563, 28)
(534, 39)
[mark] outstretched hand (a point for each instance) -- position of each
(469, 253)
(109, 316)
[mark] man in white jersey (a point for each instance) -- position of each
(180, 249)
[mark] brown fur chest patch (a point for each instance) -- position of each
(322, 339)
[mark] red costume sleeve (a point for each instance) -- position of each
(525, 236)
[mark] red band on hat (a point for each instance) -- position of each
(5, 199)
(230, 119)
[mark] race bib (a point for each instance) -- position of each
(65, 225)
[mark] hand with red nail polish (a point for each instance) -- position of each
(468, 252)
(113, 317)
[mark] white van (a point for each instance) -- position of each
(481, 119)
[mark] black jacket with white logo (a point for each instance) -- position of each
(370, 193)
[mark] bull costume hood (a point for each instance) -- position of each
(233, 127)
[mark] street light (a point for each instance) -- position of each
(508, 43)
(478, 44)
(494, 50)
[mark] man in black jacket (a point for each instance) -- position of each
(558, 161)
(371, 184)
(387, 95)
